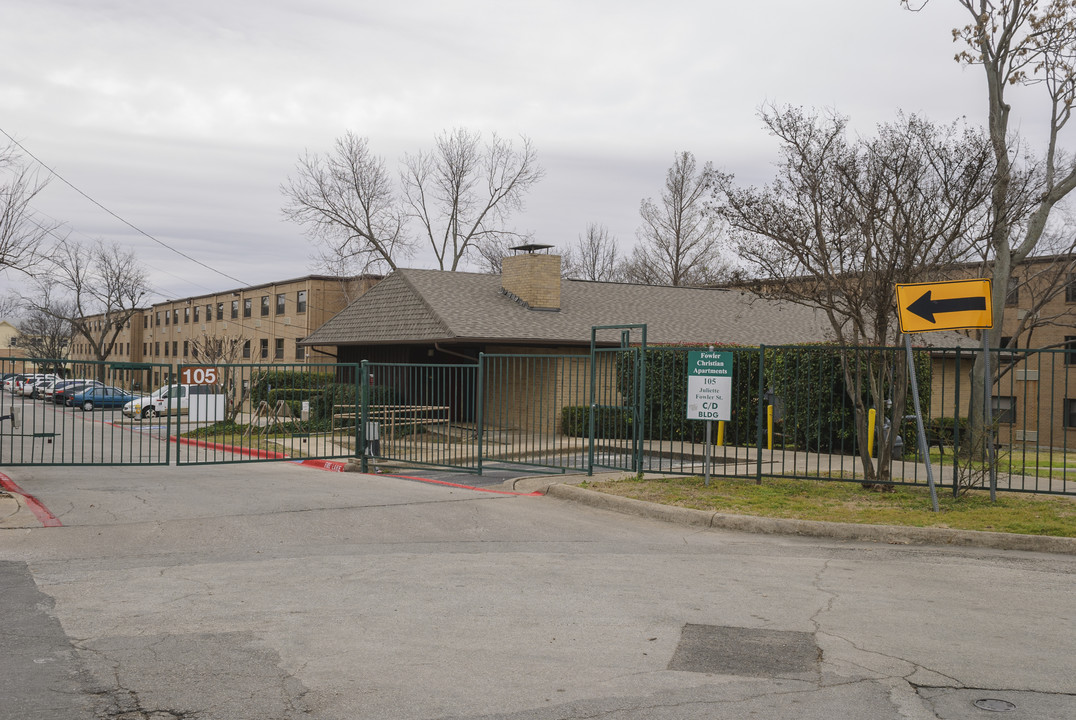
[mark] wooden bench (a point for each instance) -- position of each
(392, 416)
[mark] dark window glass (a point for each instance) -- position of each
(247, 304)
(1070, 413)
(281, 303)
(300, 301)
(265, 305)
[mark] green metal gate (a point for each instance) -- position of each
(88, 425)
(233, 413)
(420, 414)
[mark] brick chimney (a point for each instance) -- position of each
(532, 279)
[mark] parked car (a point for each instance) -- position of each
(12, 381)
(35, 388)
(101, 397)
(60, 385)
(165, 400)
(65, 396)
(28, 387)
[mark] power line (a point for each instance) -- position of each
(138, 230)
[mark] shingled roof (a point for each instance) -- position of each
(425, 306)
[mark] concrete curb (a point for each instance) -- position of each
(893, 535)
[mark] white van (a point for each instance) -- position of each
(167, 399)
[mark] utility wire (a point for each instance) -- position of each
(138, 230)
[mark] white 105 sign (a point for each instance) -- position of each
(199, 376)
(709, 386)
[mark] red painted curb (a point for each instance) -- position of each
(260, 454)
(40, 511)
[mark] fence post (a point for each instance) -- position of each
(480, 399)
(362, 393)
(956, 428)
(761, 411)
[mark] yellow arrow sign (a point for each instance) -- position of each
(953, 305)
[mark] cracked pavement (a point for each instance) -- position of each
(276, 592)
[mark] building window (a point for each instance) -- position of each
(187, 314)
(157, 349)
(208, 313)
(235, 309)
(186, 348)
(145, 322)
(175, 316)
(300, 301)
(1070, 413)
(175, 348)
(194, 352)
(265, 347)
(1070, 288)
(166, 348)
(1004, 408)
(145, 349)
(265, 305)
(247, 304)
(246, 349)
(158, 318)
(281, 303)
(167, 316)
(300, 351)
(1012, 299)
(1070, 346)
(220, 311)
(197, 309)
(278, 349)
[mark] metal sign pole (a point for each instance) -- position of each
(923, 449)
(706, 456)
(988, 420)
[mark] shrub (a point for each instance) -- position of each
(609, 423)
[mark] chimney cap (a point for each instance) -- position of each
(531, 247)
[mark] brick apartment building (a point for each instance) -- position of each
(266, 321)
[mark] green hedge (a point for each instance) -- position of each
(319, 388)
(609, 423)
(807, 382)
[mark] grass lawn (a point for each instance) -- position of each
(849, 502)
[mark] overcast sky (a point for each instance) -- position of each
(184, 118)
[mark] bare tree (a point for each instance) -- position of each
(492, 252)
(1028, 43)
(679, 238)
(47, 336)
(22, 232)
(347, 202)
(224, 351)
(594, 256)
(463, 193)
(97, 289)
(845, 220)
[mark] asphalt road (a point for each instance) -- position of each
(274, 591)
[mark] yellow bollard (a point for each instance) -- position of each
(720, 433)
(769, 427)
(871, 414)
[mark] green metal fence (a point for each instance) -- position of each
(87, 426)
(420, 414)
(228, 413)
(817, 412)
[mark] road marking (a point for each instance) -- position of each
(36, 507)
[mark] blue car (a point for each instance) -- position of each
(101, 397)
